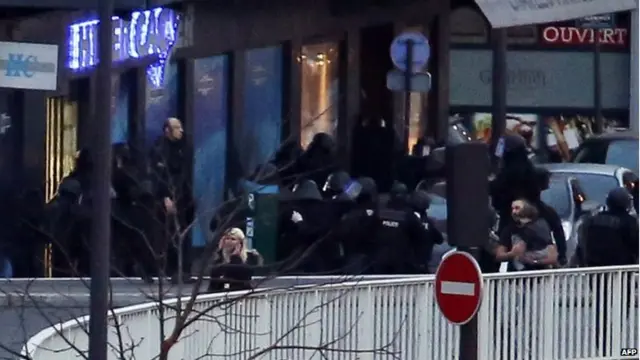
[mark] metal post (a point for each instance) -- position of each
(101, 182)
(634, 105)
(407, 94)
(597, 83)
(469, 331)
(498, 86)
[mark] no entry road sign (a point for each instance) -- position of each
(458, 287)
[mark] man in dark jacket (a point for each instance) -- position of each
(319, 160)
(170, 168)
(516, 180)
(527, 241)
(375, 151)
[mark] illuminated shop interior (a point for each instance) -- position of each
(151, 32)
(320, 89)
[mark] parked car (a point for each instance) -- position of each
(616, 148)
(438, 214)
(596, 180)
(567, 198)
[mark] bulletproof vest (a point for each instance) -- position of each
(391, 218)
(604, 243)
(391, 228)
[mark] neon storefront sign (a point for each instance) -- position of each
(151, 32)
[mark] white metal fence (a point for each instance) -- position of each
(550, 315)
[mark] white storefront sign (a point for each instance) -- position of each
(507, 13)
(28, 66)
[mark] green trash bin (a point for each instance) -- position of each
(262, 220)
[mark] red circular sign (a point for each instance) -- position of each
(458, 287)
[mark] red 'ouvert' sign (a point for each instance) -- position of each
(569, 35)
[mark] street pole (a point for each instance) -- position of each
(407, 93)
(498, 87)
(469, 331)
(101, 183)
(597, 83)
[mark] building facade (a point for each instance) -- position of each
(550, 76)
(248, 75)
(243, 77)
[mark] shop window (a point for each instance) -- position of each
(210, 117)
(61, 142)
(161, 103)
(468, 26)
(416, 125)
(418, 115)
(120, 92)
(320, 88)
(262, 125)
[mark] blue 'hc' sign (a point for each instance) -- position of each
(18, 65)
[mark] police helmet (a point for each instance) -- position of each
(398, 189)
(420, 201)
(619, 199)
(369, 186)
(306, 190)
(337, 181)
(543, 176)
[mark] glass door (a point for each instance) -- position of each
(61, 145)
(320, 88)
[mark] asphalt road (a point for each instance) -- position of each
(30, 305)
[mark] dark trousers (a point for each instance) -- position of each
(177, 245)
(137, 244)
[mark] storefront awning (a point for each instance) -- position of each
(507, 13)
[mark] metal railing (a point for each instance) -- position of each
(551, 315)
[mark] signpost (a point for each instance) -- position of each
(459, 287)
(597, 23)
(410, 53)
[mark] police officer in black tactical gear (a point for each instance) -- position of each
(356, 228)
(516, 179)
(610, 237)
(316, 251)
(402, 242)
(420, 203)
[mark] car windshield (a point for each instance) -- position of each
(623, 153)
(596, 187)
(558, 197)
